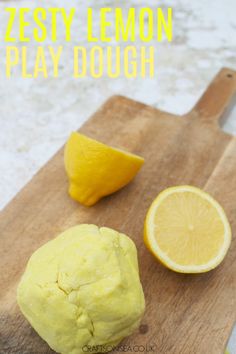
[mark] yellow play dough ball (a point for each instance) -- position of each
(82, 290)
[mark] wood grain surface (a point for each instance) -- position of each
(185, 314)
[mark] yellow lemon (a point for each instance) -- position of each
(187, 230)
(96, 170)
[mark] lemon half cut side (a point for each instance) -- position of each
(96, 170)
(187, 230)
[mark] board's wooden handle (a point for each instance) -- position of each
(216, 98)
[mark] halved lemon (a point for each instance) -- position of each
(187, 230)
(95, 170)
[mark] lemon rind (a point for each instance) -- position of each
(109, 147)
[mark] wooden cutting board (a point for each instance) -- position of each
(184, 313)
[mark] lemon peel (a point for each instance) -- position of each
(96, 170)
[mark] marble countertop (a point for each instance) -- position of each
(36, 116)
